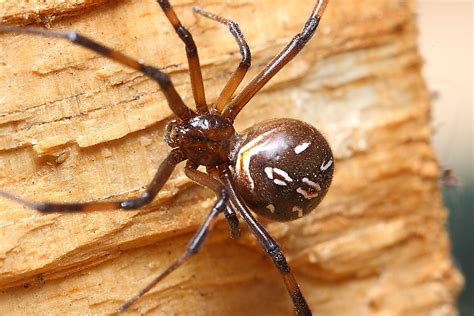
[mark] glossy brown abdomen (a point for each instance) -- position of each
(283, 168)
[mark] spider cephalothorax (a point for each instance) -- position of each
(205, 139)
(281, 169)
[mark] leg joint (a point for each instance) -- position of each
(158, 75)
(131, 204)
(164, 4)
(279, 259)
(223, 197)
(233, 222)
(246, 55)
(244, 48)
(309, 29)
(187, 38)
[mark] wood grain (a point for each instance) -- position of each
(75, 126)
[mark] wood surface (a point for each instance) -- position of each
(75, 126)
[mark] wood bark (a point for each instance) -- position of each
(75, 126)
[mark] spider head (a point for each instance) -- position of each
(205, 139)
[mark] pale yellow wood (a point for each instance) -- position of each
(75, 126)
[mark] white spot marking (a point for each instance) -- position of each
(325, 166)
(271, 208)
(283, 174)
(307, 195)
(269, 172)
(279, 182)
(312, 184)
(299, 210)
(302, 147)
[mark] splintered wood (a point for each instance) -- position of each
(76, 127)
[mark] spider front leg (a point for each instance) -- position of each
(270, 246)
(175, 102)
(199, 237)
(208, 181)
(192, 55)
(160, 178)
(283, 58)
(243, 66)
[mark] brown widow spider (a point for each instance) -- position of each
(281, 169)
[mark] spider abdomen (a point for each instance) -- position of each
(283, 168)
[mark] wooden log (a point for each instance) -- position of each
(75, 126)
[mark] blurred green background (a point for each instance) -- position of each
(460, 201)
(446, 43)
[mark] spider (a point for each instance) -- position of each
(280, 169)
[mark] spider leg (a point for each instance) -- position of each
(233, 221)
(208, 181)
(193, 247)
(285, 56)
(174, 100)
(243, 66)
(229, 212)
(270, 246)
(192, 55)
(160, 178)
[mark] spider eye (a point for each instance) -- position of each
(283, 169)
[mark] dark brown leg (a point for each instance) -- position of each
(161, 176)
(244, 65)
(229, 213)
(233, 221)
(285, 56)
(192, 54)
(208, 181)
(174, 100)
(193, 247)
(300, 306)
